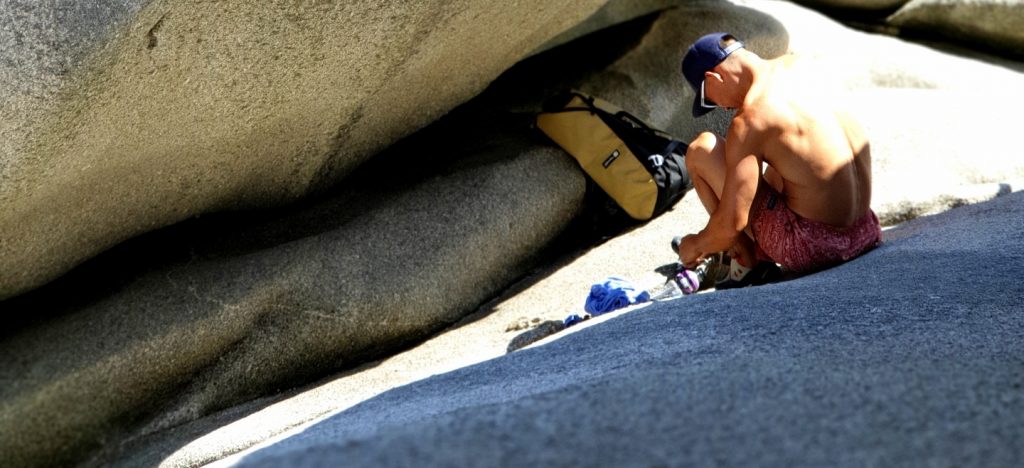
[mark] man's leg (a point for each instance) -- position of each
(705, 162)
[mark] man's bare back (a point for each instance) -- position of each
(810, 207)
(819, 157)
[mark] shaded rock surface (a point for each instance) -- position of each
(870, 5)
(120, 117)
(550, 293)
(269, 306)
(912, 357)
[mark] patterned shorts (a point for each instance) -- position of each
(804, 245)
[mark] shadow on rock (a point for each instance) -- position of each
(254, 307)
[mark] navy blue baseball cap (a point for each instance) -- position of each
(706, 53)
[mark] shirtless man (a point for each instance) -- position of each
(810, 208)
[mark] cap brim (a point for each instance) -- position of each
(699, 110)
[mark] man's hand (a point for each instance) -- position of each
(688, 253)
(743, 251)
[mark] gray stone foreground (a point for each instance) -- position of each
(908, 356)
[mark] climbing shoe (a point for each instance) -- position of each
(739, 276)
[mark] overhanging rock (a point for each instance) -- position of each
(120, 117)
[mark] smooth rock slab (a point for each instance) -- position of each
(909, 355)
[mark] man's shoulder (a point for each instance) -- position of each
(754, 118)
(767, 111)
(747, 131)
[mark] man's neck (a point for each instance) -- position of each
(753, 71)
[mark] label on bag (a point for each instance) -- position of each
(610, 159)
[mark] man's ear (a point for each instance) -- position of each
(710, 75)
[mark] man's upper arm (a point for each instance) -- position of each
(743, 148)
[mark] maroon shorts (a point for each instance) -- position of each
(803, 245)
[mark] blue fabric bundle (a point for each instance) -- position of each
(612, 294)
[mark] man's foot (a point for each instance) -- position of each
(725, 272)
(717, 270)
(714, 268)
(740, 276)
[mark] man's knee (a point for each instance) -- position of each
(705, 146)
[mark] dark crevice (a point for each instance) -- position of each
(151, 38)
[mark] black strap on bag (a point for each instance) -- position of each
(661, 155)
